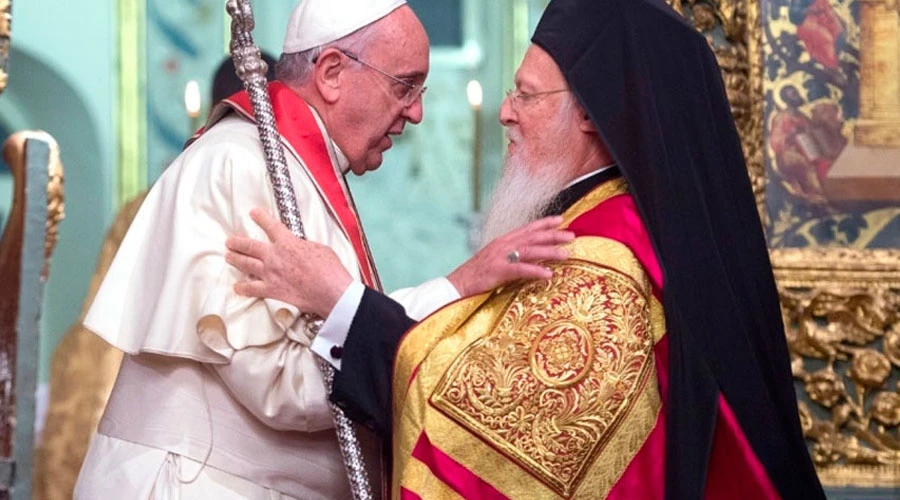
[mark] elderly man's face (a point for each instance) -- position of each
(538, 113)
(379, 106)
(542, 124)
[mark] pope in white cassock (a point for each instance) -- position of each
(219, 395)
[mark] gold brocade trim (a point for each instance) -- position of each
(553, 381)
(624, 442)
(420, 480)
(440, 337)
(434, 345)
(597, 196)
(479, 456)
(614, 255)
(419, 342)
(412, 409)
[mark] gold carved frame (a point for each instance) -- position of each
(841, 307)
(5, 35)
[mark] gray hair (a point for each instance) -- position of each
(568, 109)
(295, 68)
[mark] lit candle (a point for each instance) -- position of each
(192, 104)
(475, 95)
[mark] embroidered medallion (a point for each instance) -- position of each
(557, 374)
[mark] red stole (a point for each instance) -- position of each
(302, 138)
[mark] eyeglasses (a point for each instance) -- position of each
(412, 92)
(517, 97)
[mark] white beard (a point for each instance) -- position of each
(521, 196)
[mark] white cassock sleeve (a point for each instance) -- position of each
(270, 369)
(286, 368)
(276, 376)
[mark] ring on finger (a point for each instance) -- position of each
(513, 257)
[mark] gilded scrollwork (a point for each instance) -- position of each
(845, 350)
(55, 205)
(5, 34)
(565, 365)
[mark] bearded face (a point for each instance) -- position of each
(549, 145)
(521, 196)
(532, 176)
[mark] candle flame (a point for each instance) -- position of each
(192, 98)
(476, 95)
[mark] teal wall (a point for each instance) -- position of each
(186, 40)
(61, 81)
(416, 207)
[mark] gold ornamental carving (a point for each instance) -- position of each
(558, 373)
(5, 35)
(56, 206)
(845, 352)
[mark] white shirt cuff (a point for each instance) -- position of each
(331, 337)
(421, 301)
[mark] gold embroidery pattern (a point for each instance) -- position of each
(558, 373)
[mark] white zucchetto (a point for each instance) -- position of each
(317, 22)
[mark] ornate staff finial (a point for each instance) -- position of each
(251, 69)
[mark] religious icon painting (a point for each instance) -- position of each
(832, 118)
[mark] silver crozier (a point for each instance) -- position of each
(251, 69)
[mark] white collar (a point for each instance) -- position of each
(589, 174)
(338, 159)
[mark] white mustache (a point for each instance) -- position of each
(513, 136)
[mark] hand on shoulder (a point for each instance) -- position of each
(305, 274)
(513, 256)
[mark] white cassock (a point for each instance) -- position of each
(219, 395)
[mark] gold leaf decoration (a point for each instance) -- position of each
(558, 374)
(856, 406)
